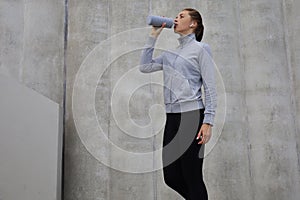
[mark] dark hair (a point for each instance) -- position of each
(195, 15)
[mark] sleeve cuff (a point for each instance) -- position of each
(208, 119)
(151, 41)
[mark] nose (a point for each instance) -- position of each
(175, 20)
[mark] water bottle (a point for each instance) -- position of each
(158, 21)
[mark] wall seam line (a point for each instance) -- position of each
(291, 79)
(154, 173)
(66, 27)
(242, 61)
(109, 185)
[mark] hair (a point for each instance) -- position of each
(195, 15)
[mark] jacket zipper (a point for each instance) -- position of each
(177, 54)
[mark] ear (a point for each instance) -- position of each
(193, 24)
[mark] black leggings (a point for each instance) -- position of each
(183, 156)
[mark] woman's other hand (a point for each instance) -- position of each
(204, 134)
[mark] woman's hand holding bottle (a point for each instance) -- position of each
(157, 30)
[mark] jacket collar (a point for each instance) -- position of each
(186, 38)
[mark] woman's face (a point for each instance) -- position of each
(183, 23)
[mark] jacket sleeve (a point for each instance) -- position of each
(208, 78)
(147, 63)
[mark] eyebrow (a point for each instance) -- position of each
(180, 14)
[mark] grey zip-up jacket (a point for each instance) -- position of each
(185, 70)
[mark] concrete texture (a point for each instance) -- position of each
(255, 47)
(223, 32)
(32, 44)
(85, 177)
(268, 100)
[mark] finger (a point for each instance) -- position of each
(201, 141)
(159, 29)
(198, 136)
(202, 138)
(205, 140)
(207, 136)
(163, 25)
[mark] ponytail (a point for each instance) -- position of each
(195, 15)
(199, 32)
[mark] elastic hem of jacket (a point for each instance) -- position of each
(189, 106)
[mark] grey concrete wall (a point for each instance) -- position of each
(255, 47)
(32, 44)
(31, 54)
(222, 22)
(293, 44)
(268, 99)
(85, 177)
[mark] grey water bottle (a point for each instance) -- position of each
(158, 21)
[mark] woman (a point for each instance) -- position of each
(188, 121)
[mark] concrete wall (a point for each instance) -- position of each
(31, 58)
(32, 44)
(255, 47)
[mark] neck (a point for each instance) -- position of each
(186, 33)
